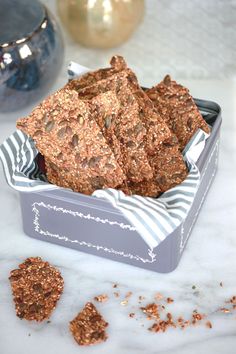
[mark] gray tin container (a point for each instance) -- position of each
(94, 226)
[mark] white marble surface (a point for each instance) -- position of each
(209, 258)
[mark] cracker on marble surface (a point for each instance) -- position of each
(36, 288)
(89, 327)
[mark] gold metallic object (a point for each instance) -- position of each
(101, 23)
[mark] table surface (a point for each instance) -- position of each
(209, 259)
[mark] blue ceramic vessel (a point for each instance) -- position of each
(31, 53)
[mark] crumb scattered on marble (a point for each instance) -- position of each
(184, 324)
(124, 303)
(221, 284)
(209, 324)
(129, 293)
(162, 325)
(101, 298)
(224, 309)
(169, 300)
(196, 317)
(141, 298)
(158, 296)
(131, 315)
(151, 310)
(116, 294)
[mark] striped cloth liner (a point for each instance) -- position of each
(75, 70)
(18, 154)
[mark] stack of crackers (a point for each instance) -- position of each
(103, 130)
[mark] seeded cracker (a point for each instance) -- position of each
(102, 131)
(36, 288)
(75, 151)
(133, 123)
(117, 113)
(89, 327)
(177, 107)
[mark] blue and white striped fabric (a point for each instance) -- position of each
(153, 218)
(75, 70)
(18, 154)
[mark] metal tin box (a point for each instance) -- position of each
(93, 225)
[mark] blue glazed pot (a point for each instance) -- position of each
(31, 53)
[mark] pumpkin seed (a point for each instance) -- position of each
(49, 126)
(75, 140)
(130, 144)
(77, 157)
(38, 133)
(190, 123)
(161, 179)
(94, 161)
(84, 163)
(60, 156)
(61, 133)
(167, 80)
(108, 122)
(68, 130)
(45, 118)
(97, 182)
(63, 122)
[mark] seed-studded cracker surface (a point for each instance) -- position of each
(117, 113)
(177, 107)
(153, 134)
(117, 64)
(162, 147)
(36, 288)
(89, 327)
(68, 137)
